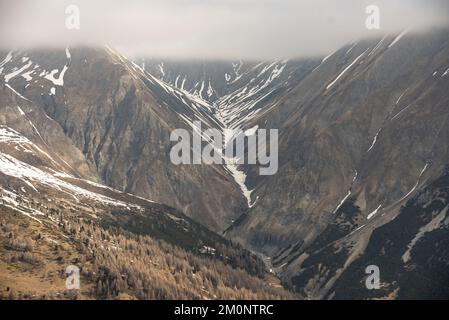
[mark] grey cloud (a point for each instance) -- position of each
(250, 29)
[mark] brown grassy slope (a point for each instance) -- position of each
(114, 265)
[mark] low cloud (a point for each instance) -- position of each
(211, 29)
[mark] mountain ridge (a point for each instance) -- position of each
(361, 132)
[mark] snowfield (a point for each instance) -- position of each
(34, 177)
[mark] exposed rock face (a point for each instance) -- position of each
(360, 133)
(48, 191)
(209, 80)
(49, 219)
(237, 90)
(120, 119)
(359, 136)
(363, 139)
(409, 250)
(367, 130)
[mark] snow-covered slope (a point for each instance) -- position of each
(33, 184)
(235, 92)
(101, 116)
(362, 134)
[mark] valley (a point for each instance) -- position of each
(86, 174)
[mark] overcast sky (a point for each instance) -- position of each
(248, 29)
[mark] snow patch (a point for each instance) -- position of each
(445, 73)
(374, 141)
(373, 213)
(342, 201)
(20, 111)
(240, 178)
(17, 72)
(59, 81)
(161, 69)
(344, 71)
(7, 59)
(13, 167)
(18, 94)
(67, 53)
(399, 37)
(417, 183)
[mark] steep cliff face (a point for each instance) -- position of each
(238, 90)
(362, 137)
(359, 136)
(410, 251)
(120, 119)
(208, 80)
(126, 246)
(360, 133)
(56, 148)
(368, 123)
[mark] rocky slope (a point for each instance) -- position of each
(361, 132)
(119, 119)
(359, 136)
(125, 246)
(362, 150)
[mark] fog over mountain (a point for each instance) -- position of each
(211, 29)
(356, 205)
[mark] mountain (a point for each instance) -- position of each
(121, 127)
(359, 136)
(362, 148)
(236, 89)
(412, 248)
(361, 132)
(66, 137)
